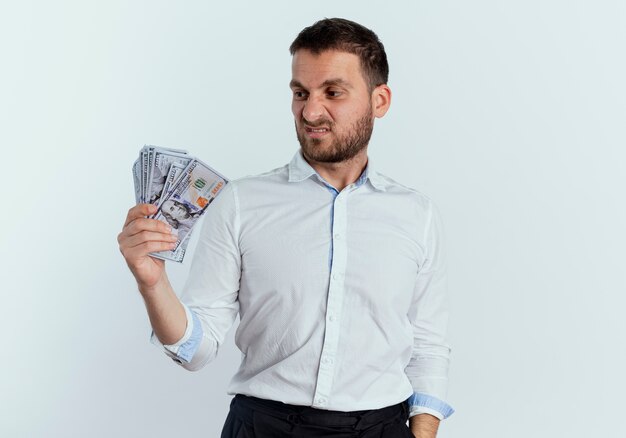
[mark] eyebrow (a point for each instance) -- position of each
(326, 83)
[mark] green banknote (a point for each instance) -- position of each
(180, 185)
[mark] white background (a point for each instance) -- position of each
(510, 115)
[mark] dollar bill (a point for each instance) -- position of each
(161, 164)
(137, 179)
(180, 185)
(175, 150)
(144, 169)
(148, 170)
(188, 199)
(144, 174)
(177, 255)
(170, 181)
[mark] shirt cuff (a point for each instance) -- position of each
(420, 403)
(183, 350)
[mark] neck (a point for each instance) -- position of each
(341, 174)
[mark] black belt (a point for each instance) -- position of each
(306, 415)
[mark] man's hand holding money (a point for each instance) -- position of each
(141, 236)
(172, 191)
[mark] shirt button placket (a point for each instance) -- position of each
(333, 305)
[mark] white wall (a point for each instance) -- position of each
(510, 115)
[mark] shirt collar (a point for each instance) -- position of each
(299, 170)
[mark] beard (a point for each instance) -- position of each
(344, 147)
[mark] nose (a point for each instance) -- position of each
(313, 109)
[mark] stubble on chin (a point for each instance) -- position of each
(342, 148)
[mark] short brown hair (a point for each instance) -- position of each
(347, 36)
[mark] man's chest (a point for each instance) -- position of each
(367, 246)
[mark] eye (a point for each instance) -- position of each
(299, 95)
(333, 93)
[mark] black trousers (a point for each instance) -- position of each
(252, 417)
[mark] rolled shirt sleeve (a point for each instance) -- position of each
(428, 367)
(184, 349)
(210, 296)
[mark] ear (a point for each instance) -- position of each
(381, 100)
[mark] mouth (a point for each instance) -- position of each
(317, 132)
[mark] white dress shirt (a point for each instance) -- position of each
(341, 295)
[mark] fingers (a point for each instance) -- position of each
(149, 236)
(139, 210)
(143, 249)
(145, 224)
(142, 235)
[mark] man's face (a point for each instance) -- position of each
(332, 105)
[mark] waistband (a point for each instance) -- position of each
(246, 405)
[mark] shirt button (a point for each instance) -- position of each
(337, 235)
(321, 401)
(335, 276)
(331, 318)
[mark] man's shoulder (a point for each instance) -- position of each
(278, 174)
(250, 187)
(261, 181)
(396, 188)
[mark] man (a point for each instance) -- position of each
(336, 271)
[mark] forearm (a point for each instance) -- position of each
(424, 425)
(165, 311)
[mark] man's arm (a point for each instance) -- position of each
(428, 368)
(191, 329)
(139, 237)
(166, 313)
(424, 425)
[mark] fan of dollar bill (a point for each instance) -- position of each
(181, 186)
